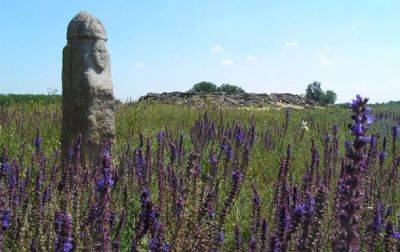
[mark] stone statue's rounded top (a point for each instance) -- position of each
(85, 25)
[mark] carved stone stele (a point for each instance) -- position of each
(87, 91)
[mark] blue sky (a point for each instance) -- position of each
(265, 46)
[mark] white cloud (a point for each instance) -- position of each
(139, 65)
(324, 60)
(251, 59)
(217, 48)
(227, 62)
(292, 44)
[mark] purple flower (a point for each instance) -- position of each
(68, 242)
(12, 180)
(147, 219)
(395, 132)
(228, 152)
(377, 222)
(101, 183)
(5, 166)
(68, 245)
(349, 188)
(58, 221)
(389, 232)
(396, 235)
(368, 116)
(256, 199)
(179, 206)
(70, 153)
(160, 136)
(153, 244)
(300, 209)
(6, 219)
(145, 197)
(173, 151)
(335, 129)
(237, 177)
(157, 242)
(165, 247)
(106, 179)
(153, 214)
(221, 237)
(38, 141)
(63, 228)
(210, 209)
(214, 163)
(239, 136)
(326, 138)
(252, 244)
(264, 234)
(238, 237)
(46, 195)
(358, 129)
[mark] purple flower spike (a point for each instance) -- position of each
(395, 131)
(349, 188)
(237, 177)
(38, 141)
(68, 245)
(160, 136)
(396, 235)
(6, 220)
(63, 228)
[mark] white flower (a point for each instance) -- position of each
(304, 125)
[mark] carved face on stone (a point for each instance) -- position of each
(100, 55)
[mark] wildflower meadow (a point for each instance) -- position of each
(180, 178)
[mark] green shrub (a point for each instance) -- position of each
(330, 97)
(315, 92)
(204, 86)
(209, 87)
(230, 89)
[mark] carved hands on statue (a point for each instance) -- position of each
(100, 55)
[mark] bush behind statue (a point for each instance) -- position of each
(231, 89)
(209, 87)
(315, 92)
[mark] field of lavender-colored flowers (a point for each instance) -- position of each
(190, 179)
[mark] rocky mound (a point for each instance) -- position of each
(277, 100)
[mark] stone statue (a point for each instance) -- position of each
(87, 100)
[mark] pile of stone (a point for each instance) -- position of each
(277, 100)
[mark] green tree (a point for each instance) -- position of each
(329, 97)
(314, 91)
(230, 89)
(204, 86)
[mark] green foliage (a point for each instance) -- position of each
(315, 92)
(329, 97)
(205, 86)
(209, 87)
(230, 89)
(8, 99)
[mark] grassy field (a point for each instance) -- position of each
(207, 196)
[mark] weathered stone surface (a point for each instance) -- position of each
(231, 100)
(87, 100)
